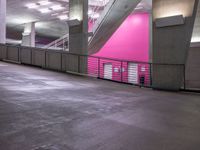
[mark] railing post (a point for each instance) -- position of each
(150, 73)
(121, 70)
(99, 67)
(184, 77)
(79, 71)
(63, 45)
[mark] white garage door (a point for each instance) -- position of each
(133, 73)
(108, 71)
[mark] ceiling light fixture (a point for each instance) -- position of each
(44, 2)
(139, 8)
(32, 5)
(55, 14)
(44, 10)
(95, 16)
(63, 17)
(90, 12)
(57, 7)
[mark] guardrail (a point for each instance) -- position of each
(124, 71)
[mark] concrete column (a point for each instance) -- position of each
(3, 21)
(78, 33)
(28, 36)
(171, 42)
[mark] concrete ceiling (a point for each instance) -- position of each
(18, 14)
(46, 24)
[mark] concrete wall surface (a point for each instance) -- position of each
(171, 43)
(66, 62)
(49, 59)
(129, 42)
(192, 71)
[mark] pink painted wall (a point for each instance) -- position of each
(90, 25)
(129, 42)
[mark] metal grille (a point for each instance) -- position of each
(137, 73)
(124, 71)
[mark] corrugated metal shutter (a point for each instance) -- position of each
(133, 73)
(108, 71)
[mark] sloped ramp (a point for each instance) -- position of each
(118, 12)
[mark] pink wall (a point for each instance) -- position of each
(129, 42)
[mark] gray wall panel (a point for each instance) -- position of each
(72, 63)
(192, 71)
(13, 53)
(38, 57)
(171, 44)
(53, 60)
(2, 52)
(25, 55)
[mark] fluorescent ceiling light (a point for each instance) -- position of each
(95, 16)
(55, 14)
(44, 10)
(139, 8)
(32, 5)
(63, 17)
(44, 2)
(90, 12)
(57, 7)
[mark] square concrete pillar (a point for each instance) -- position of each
(78, 26)
(3, 21)
(78, 32)
(28, 36)
(173, 22)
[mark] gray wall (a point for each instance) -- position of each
(78, 34)
(49, 59)
(192, 71)
(196, 31)
(171, 45)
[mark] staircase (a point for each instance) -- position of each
(59, 44)
(113, 14)
(114, 17)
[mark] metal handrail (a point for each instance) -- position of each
(57, 42)
(103, 15)
(61, 41)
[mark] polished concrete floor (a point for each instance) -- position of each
(45, 110)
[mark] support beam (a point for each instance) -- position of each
(171, 42)
(115, 16)
(196, 31)
(3, 21)
(28, 36)
(78, 34)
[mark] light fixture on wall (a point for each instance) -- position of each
(170, 21)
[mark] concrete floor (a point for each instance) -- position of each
(45, 110)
